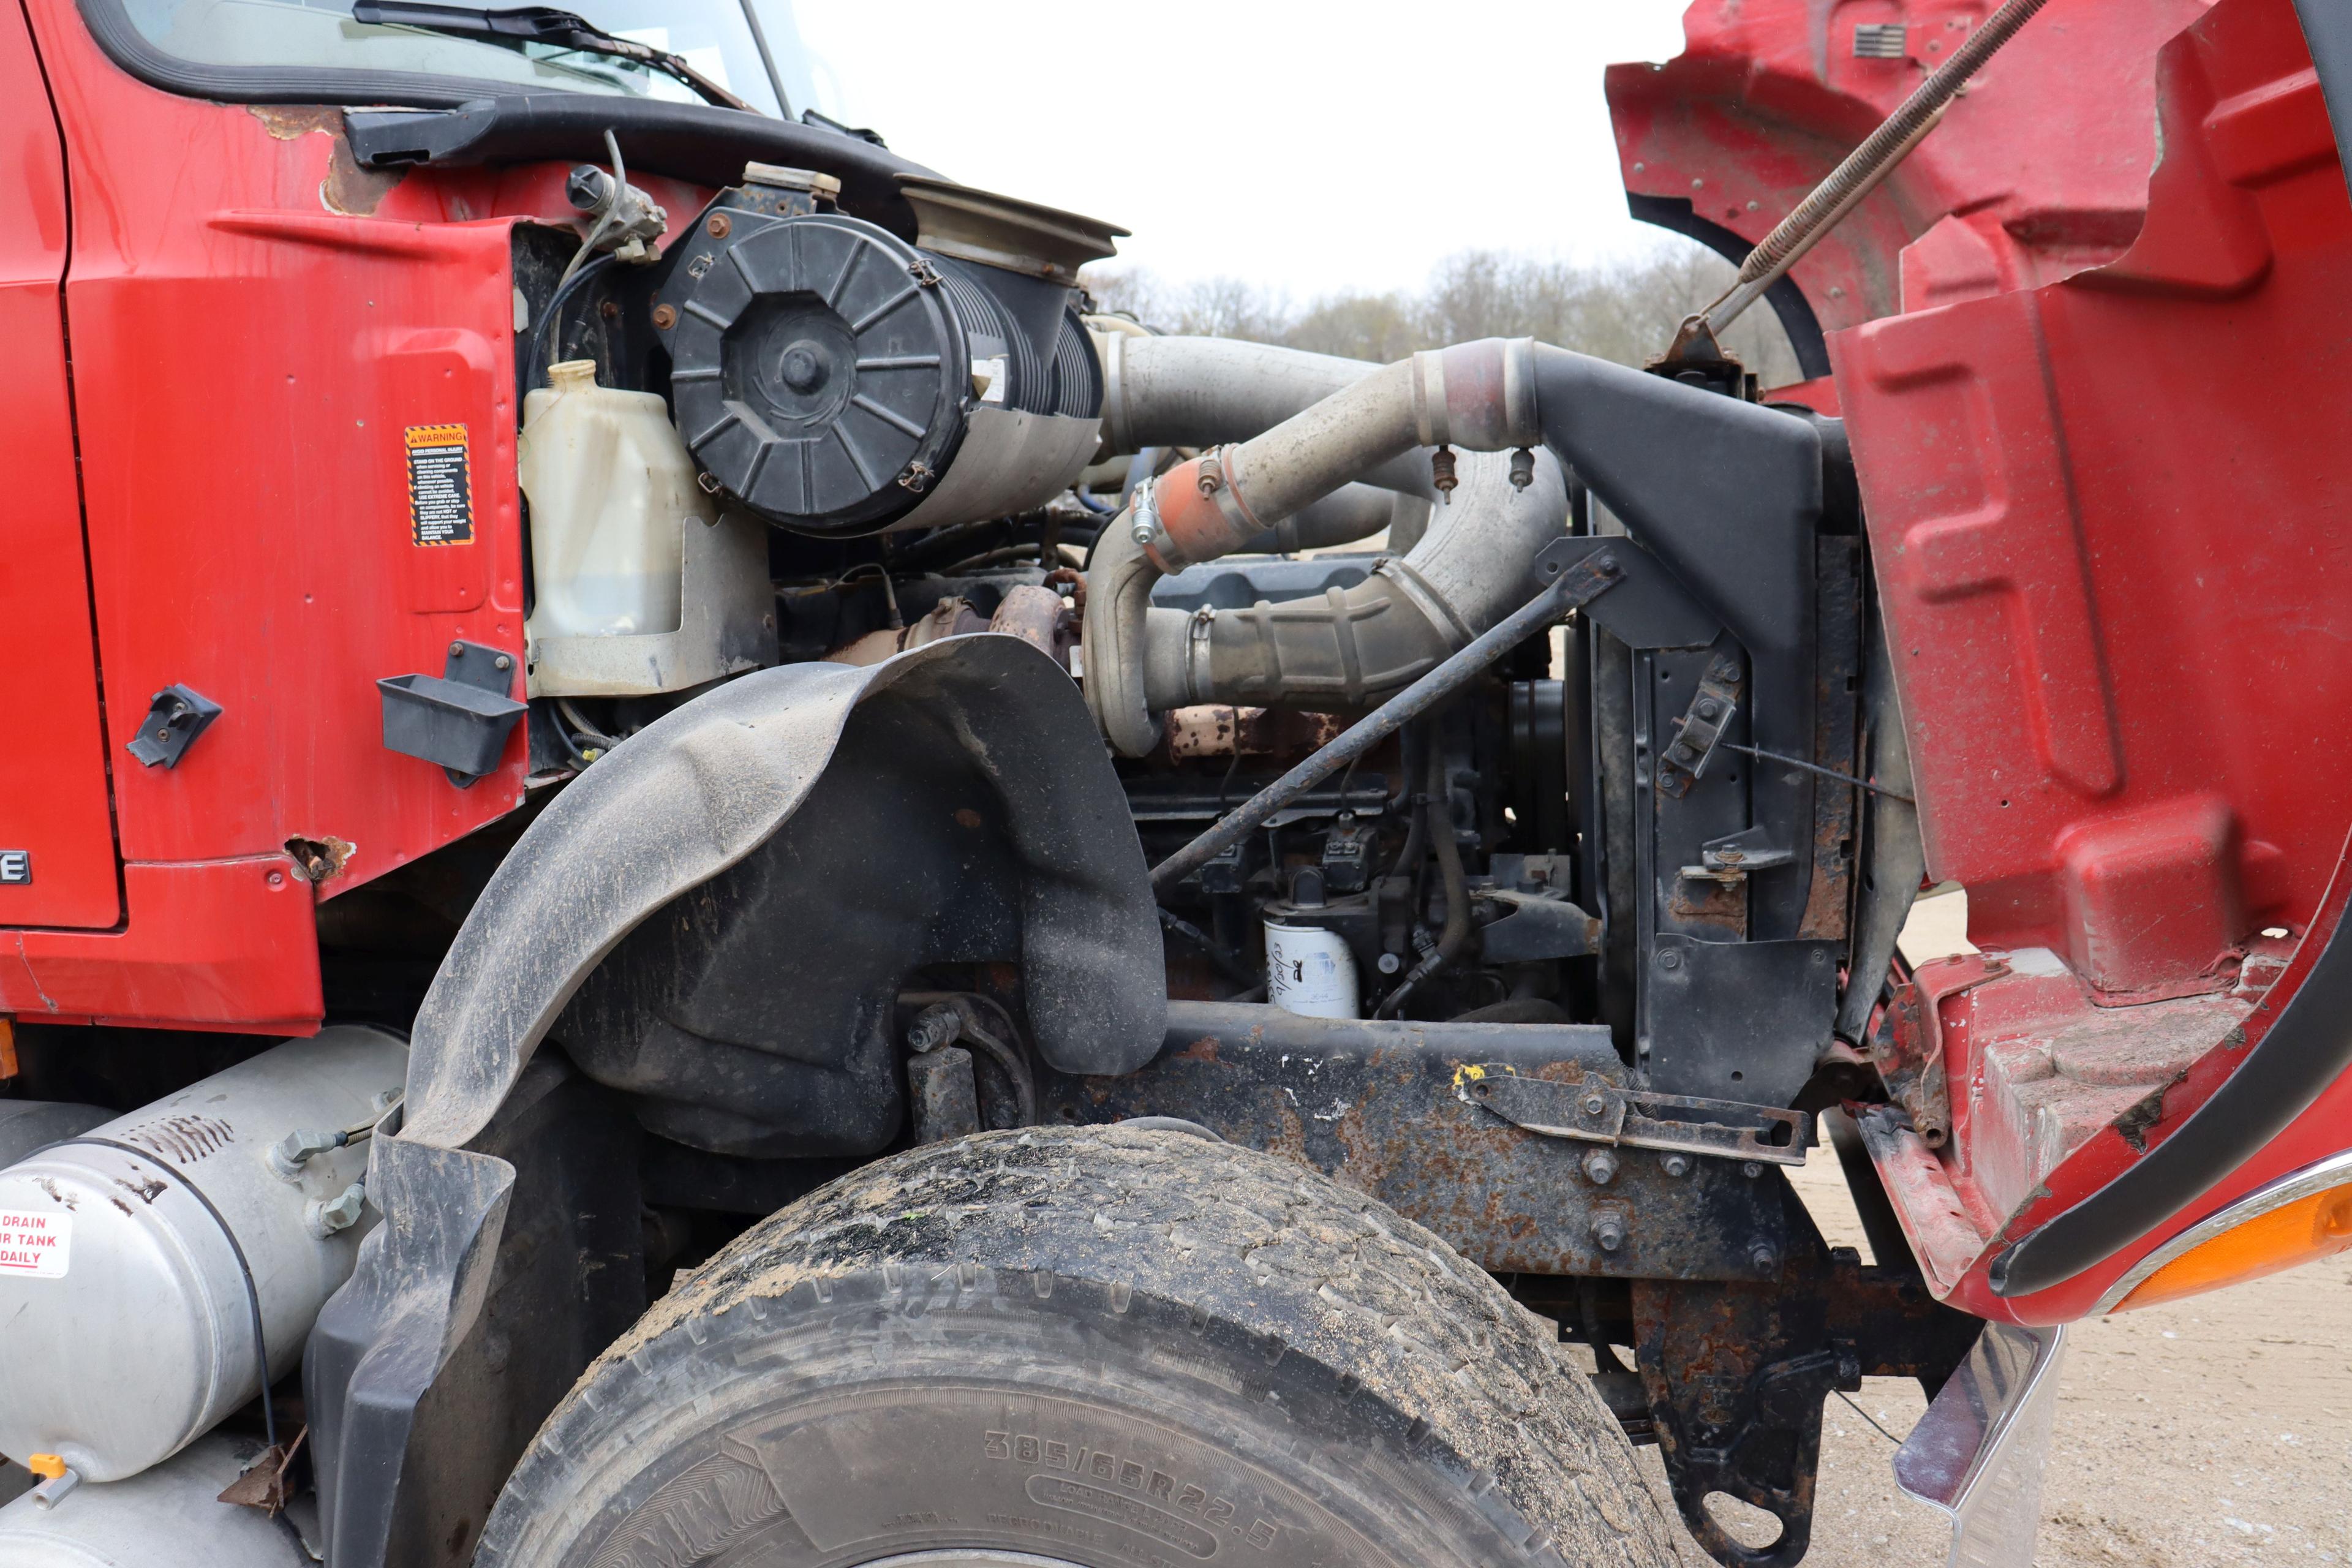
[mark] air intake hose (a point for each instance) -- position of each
(1355, 646)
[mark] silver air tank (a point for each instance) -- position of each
(136, 1258)
(170, 1517)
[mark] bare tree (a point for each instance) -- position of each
(1623, 312)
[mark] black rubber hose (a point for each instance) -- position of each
(1228, 962)
(534, 368)
(1416, 824)
(1455, 885)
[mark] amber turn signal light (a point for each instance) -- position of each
(2298, 1219)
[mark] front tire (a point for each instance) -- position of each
(1093, 1347)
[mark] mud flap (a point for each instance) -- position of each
(679, 804)
(1978, 1454)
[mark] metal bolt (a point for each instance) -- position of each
(338, 1214)
(1676, 1165)
(1600, 1167)
(1209, 481)
(1763, 1260)
(1670, 959)
(1706, 707)
(935, 1028)
(1752, 1169)
(1388, 964)
(456, 647)
(1143, 532)
(720, 226)
(502, 662)
(1594, 1105)
(665, 317)
(1607, 1232)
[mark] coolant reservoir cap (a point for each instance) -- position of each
(820, 371)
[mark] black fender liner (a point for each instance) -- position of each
(678, 804)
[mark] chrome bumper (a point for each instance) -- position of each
(1979, 1452)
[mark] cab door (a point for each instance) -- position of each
(57, 839)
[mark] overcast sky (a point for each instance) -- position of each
(1311, 147)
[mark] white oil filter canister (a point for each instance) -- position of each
(1309, 970)
(136, 1256)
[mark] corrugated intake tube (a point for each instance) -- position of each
(1354, 645)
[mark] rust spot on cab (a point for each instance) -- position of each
(347, 191)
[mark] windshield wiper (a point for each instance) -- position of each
(520, 25)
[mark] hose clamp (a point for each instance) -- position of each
(1111, 349)
(1199, 516)
(1431, 423)
(1145, 513)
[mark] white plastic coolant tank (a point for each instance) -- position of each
(126, 1323)
(1309, 970)
(611, 488)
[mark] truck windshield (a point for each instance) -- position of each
(714, 36)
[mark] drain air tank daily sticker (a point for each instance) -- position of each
(35, 1243)
(440, 498)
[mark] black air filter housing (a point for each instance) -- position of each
(836, 380)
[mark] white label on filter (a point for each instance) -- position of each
(35, 1243)
(1310, 971)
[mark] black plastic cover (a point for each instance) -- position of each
(820, 371)
(459, 719)
(176, 717)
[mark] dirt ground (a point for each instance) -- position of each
(2210, 1432)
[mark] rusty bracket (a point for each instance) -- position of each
(1596, 1111)
(1909, 1056)
(1684, 761)
(1729, 860)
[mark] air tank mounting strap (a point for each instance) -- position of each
(245, 1270)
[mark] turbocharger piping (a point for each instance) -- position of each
(1355, 644)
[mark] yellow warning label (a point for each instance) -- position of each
(440, 492)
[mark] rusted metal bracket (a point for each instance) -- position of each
(1735, 1375)
(1909, 1056)
(1596, 1111)
(1729, 860)
(1684, 760)
(1373, 1102)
